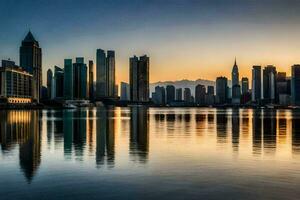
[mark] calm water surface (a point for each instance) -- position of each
(156, 153)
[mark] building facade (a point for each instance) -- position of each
(68, 79)
(31, 62)
(256, 83)
(269, 84)
(49, 83)
(295, 85)
(79, 80)
(221, 90)
(170, 97)
(200, 92)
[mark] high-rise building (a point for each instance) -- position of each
(256, 83)
(49, 83)
(269, 84)
(159, 96)
(105, 79)
(79, 79)
(295, 85)
(245, 85)
(91, 80)
(31, 61)
(200, 92)
(68, 79)
(125, 91)
(179, 94)
(59, 82)
(221, 90)
(15, 84)
(235, 74)
(210, 90)
(170, 93)
(187, 95)
(236, 89)
(139, 79)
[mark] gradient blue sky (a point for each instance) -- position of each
(184, 39)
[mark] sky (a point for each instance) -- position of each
(185, 39)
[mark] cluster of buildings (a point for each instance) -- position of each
(75, 82)
(269, 87)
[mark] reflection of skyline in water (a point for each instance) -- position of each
(97, 133)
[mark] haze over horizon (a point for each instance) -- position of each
(184, 39)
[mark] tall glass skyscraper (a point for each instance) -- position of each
(105, 77)
(256, 83)
(295, 85)
(68, 79)
(31, 61)
(269, 84)
(80, 79)
(139, 79)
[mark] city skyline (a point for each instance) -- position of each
(254, 34)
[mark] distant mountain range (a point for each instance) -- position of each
(183, 84)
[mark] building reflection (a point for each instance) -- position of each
(222, 120)
(235, 125)
(295, 132)
(22, 128)
(269, 130)
(105, 138)
(257, 131)
(139, 137)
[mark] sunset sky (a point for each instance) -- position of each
(185, 39)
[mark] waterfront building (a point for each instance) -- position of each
(236, 94)
(31, 62)
(295, 85)
(159, 96)
(245, 85)
(49, 83)
(91, 80)
(15, 84)
(139, 78)
(210, 90)
(179, 94)
(105, 74)
(200, 92)
(125, 92)
(256, 83)
(170, 89)
(79, 79)
(68, 79)
(269, 84)
(59, 82)
(235, 89)
(221, 90)
(187, 95)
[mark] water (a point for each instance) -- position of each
(156, 153)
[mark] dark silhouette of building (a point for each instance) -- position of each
(68, 79)
(295, 85)
(139, 79)
(31, 61)
(269, 84)
(49, 83)
(245, 85)
(59, 82)
(221, 90)
(236, 89)
(210, 90)
(170, 89)
(80, 79)
(256, 84)
(91, 80)
(187, 95)
(200, 92)
(179, 94)
(159, 97)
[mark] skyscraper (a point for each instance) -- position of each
(139, 78)
(236, 89)
(68, 79)
(179, 94)
(210, 90)
(125, 91)
(256, 83)
(269, 84)
(200, 94)
(49, 83)
(170, 93)
(105, 79)
(159, 97)
(59, 82)
(235, 74)
(221, 89)
(295, 85)
(31, 61)
(245, 85)
(79, 79)
(187, 95)
(91, 80)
